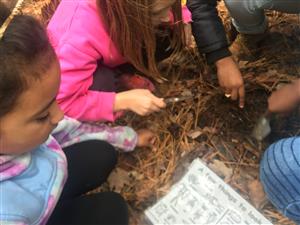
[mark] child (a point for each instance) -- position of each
(248, 18)
(211, 40)
(280, 166)
(92, 38)
(34, 187)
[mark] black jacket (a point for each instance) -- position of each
(208, 29)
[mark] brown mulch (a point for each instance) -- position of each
(213, 128)
(209, 126)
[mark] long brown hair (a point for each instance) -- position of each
(131, 29)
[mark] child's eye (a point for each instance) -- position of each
(43, 118)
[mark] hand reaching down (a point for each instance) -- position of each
(230, 79)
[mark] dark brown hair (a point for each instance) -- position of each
(25, 54)
(131, 29)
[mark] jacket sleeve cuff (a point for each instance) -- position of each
(214, 56)
(105, 112)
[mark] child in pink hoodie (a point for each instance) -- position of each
(92, 38)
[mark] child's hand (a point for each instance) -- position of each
(231, 80)
(145, 138)
(188, 35)
(285, 99)
(140, 101)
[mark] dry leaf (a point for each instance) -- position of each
(221, 169)
(256, 193)
(136, 175)
(233, 140)
(186, 93)
(118, 179)
(210, 130)
(194, 133)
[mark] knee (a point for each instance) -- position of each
(117, 201)
(115, 204)
(104, 150)
(280, 176)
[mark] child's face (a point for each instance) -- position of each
(161, 11)
(36, 114)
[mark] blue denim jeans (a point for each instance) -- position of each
(280, 176)
(248, 16)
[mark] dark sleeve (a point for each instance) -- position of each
(208, 29)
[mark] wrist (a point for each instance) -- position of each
(214, 56)
(224, 61)
(120, 102)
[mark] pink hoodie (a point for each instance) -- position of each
(81, 39)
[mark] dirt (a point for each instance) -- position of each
(221, 130)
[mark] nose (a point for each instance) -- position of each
(57, 114)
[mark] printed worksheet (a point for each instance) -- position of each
(201, 197)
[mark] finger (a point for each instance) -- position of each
(152, 141)
(150, 136)
(242, 97)
(234, 94)
(154, 108)
(159, 102)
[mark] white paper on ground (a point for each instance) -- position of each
(201, 197)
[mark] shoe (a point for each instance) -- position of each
(133, 81)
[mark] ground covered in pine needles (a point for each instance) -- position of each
(209, 126)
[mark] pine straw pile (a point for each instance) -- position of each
(209, 126)
(212, 127)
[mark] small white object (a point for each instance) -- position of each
(262, 129)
